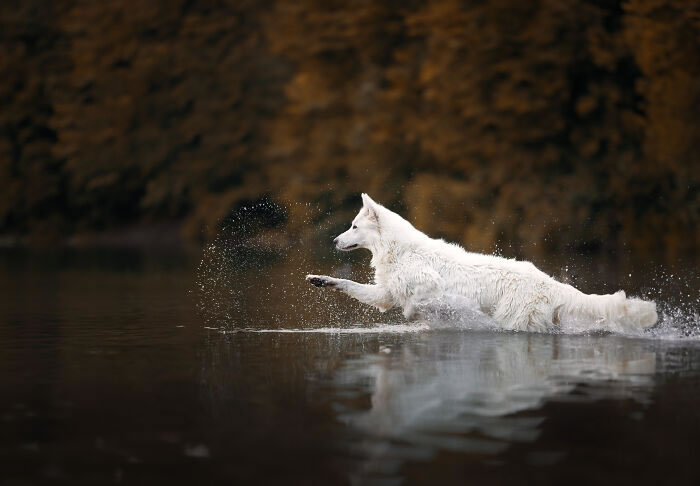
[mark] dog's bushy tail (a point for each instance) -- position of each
(614, 311)
(638, 313)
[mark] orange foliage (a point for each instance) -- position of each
(533, 126)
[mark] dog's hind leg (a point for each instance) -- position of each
(367, 294)
(410, 312)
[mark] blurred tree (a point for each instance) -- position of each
(665, 206)
(161, 109)
(32, 181)
(528, 127)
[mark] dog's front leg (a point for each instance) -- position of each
(410, 312)
(373, 295)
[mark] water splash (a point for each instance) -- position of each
(677, 298)
(353, 329)
(251, 278)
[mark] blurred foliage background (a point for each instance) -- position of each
(534, 126)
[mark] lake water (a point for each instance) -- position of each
(141, 368)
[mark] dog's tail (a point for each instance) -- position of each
(613, 311)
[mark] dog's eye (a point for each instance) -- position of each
(354, 226)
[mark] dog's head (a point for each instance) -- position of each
(364, 229)
(372, 225)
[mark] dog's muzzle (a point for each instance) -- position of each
(347, 248)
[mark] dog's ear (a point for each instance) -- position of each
(371, 207)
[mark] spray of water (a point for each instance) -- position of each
(251, 279)
(252, 275)
(678, 304)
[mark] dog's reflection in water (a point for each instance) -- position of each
(467, 391)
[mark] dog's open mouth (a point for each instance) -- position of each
(348, 248)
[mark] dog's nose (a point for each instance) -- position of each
(335, 240)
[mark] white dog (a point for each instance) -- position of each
(415, 272)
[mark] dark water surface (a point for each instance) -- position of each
(110, 373)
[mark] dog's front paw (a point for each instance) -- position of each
(321, 281)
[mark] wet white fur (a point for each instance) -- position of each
(414, 271)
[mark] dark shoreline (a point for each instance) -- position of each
(160, 235)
